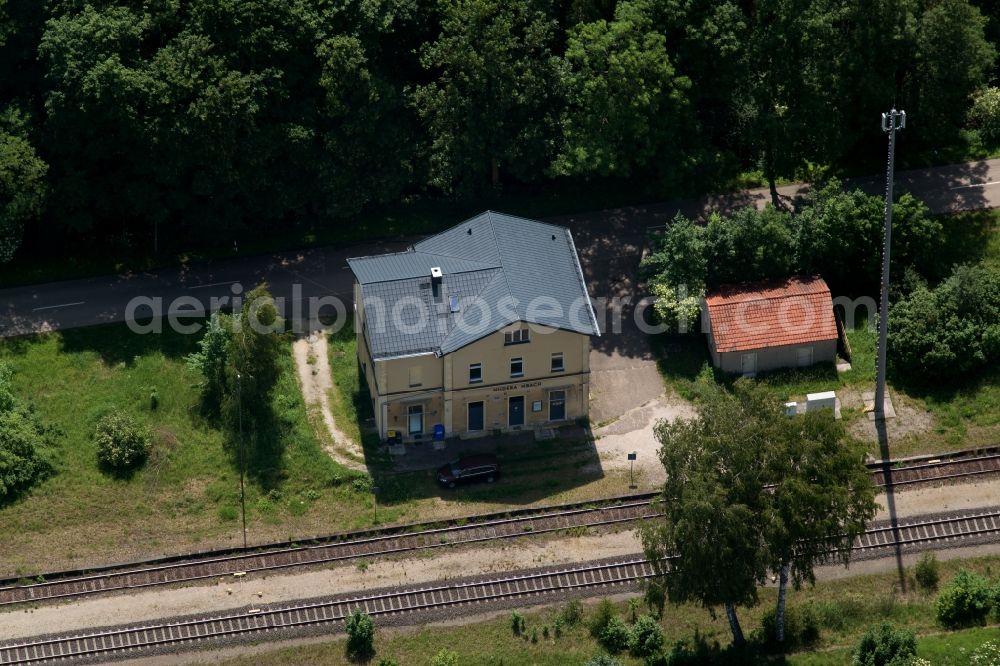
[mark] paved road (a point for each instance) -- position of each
(301, 275)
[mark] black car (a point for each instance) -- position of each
(470, 468)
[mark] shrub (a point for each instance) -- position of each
(647, 637)
(926, 572)
(25, 442)
(360, 635)
(516, 623)
(655, 596)
(615, 636)
(602, 660)
(801, 627)
(122, 444)
(950, 330)
(445, 658)
(572, 613)
(985, 114)
(966, 601)
(987, 654)
(885, 646)
(602, 615)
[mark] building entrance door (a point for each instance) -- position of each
(516, 411)
(416, 414)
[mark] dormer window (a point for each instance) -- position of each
(515, 337)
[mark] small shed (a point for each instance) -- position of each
(761, 326)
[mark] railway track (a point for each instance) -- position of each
(591, 515)
(134, 641)
(403, 539)
(929, 470)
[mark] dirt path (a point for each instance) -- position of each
(312, 363)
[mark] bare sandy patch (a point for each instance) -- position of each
(910, 419)
(958, 497)
(633, 433)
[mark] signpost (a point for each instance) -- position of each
(631, 470)
(375, 502)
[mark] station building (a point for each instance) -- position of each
(483, 328)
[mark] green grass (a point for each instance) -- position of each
(350, 401)
(686, 366)
(951, 649)
(187, 498)
(964, 416)
(844, 608)
(187, 495)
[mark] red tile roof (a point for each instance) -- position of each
(773, 313)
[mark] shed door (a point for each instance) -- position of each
(805, 356)
(748, 364)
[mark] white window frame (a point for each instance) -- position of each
(517, 336)
(520, 360)
(476, 366)
(410, 413)
(562, 362)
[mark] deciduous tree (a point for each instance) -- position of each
(821, 499)
(626, 102)
(491, 105)
(710, 547)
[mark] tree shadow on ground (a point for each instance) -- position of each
(115, 343)
(261, 453)
(947, 390)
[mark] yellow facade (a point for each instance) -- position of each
(490, 385)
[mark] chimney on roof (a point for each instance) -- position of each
(436, 276)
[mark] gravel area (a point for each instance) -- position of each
(458, 613)
(229, 593)
(924, 500)
(451, 564)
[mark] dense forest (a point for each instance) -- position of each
(200, 120)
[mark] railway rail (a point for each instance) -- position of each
(407, 538)
(134, 641)
(421, 537)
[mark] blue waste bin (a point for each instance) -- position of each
(439, 433)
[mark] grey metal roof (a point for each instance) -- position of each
(501, 268)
